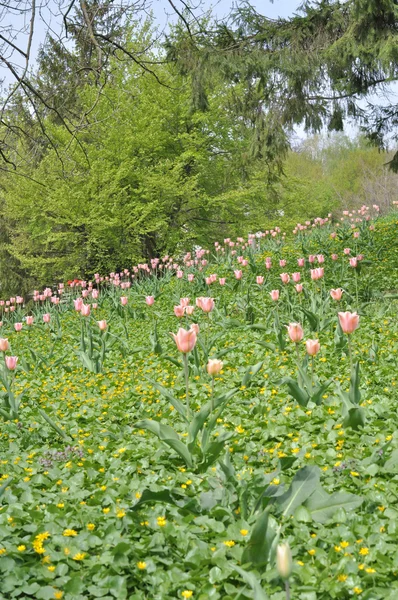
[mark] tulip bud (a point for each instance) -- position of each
(4, 345)
(11, 362)
(274, 295)
(179, 311)
(214, 366)
(284, 563)
(348, 321)
(295, 332)
(150, 300)
(185, 340)
(336, 294)
(102, 325)
(313, 347)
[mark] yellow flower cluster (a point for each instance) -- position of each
(38, 542)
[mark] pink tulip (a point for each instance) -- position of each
(189, 310)
(299, 288)
(179, 311)
(85, 310)
(336, 294)
(29, 320)
(95, 294)
(214, 366)
(4, 345)
(259, 279)
(78, 304)
(221, 281)
(353, 262)
(195, 328)
(238, 274)
(317, 273)
(311, 258)
(296, 277)
(47, 317)
(11, 362)
(207, 304)
(191, 277)
(150, 300)
(313, 347)
(320, 258)
(180, 274)
(295, 332)
(282, 263)
(185, 340)
(356, 234)
(124, 300)
(274, 295)
(285, 277)
(17, 326)
(102, 325)
(208, 280)
(245, 262)
(301, 262)
(184, 301)
(335, 257)
(333, 235)
(346, 251)
(348, 321)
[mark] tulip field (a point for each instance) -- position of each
(221, 424)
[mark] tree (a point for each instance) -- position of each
(315, 68)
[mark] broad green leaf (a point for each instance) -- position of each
(174, 498)
(296, 391)
(258, 549)
(303, 485)
(167, 435)
(253, 582)
(316, 397)
(322, 505)
(355, 418)
(4, 486)
(180, 408)
(53, 425)
(251, 372)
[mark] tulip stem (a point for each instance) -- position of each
(312, 374)
(350, 350)
(298, 363)
(185, 359)
(212, 394)
(287, 588)
(356, 286)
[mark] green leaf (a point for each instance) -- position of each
(316, 397)
(252, 581)
(355, 418)
(312, 318)
(303, 485)
(53, 425)
(322, 505)
(175, 498)
(167, 435)
(354, 393)
(296, 391)
(4, 486)
(180, 408)
(251, 372)
(258, 549)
